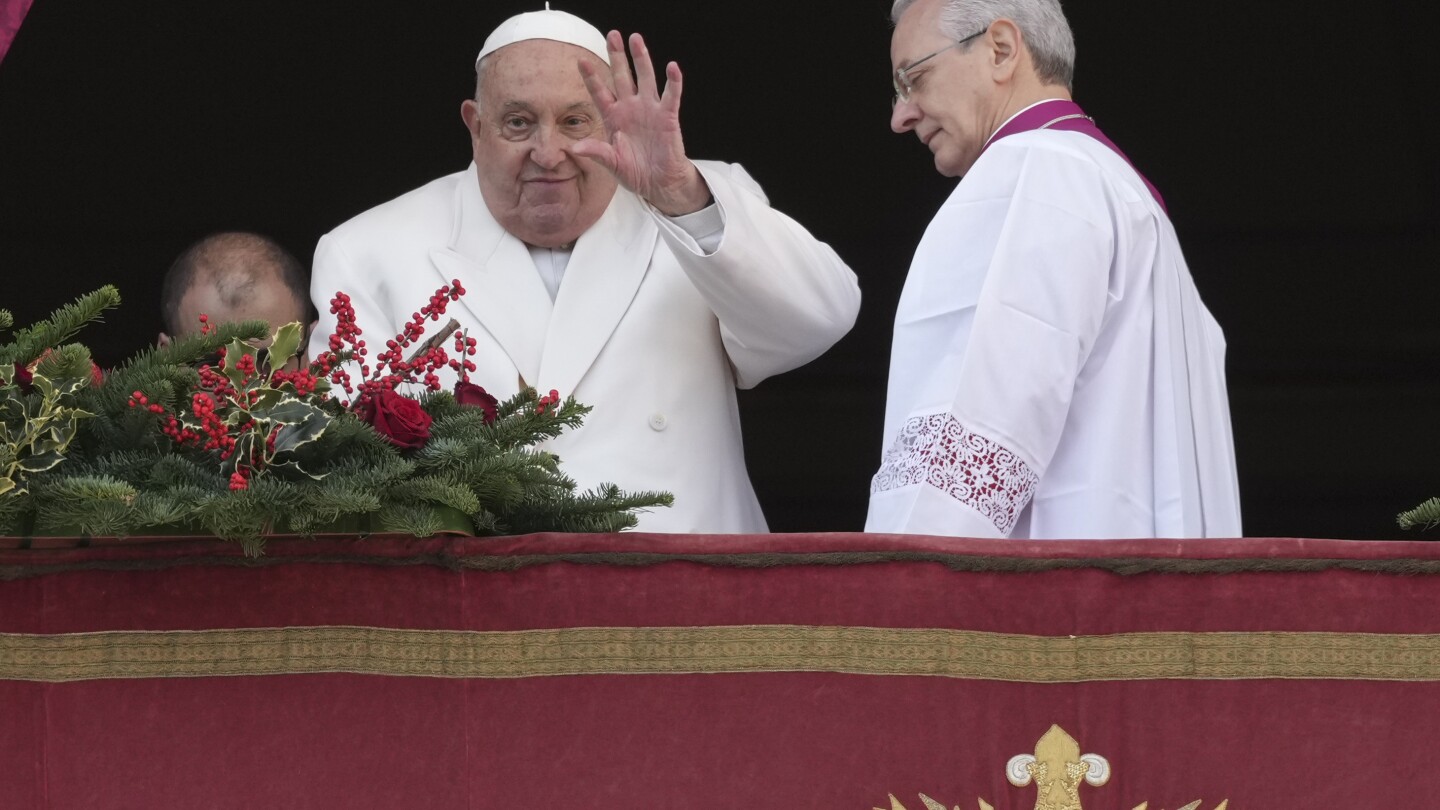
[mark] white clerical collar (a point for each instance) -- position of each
(550, 263)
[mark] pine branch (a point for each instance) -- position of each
(15, 514)
(195, 347)
(68, 362)
(176, 508)
(83, 505)
(419, 521)
(523, 427)
(351, 490)
(1424, 516)
(132, 467)
(6, 319)
(63, 324)
(446, 455)
(435, 490)
(604, 509)
(246, 516)
(180, 472)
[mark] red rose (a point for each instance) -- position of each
(399, 419)
(22, 378)
(472, 395)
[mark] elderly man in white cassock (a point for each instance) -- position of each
(600, 261)
(1054, 373)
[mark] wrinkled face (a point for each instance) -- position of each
(533, 107)
(953, 104)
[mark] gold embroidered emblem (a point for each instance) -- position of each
(1057, 769)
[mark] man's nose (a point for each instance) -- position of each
(903, 116)
(550, 148)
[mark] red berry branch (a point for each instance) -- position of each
(392, 367)
(242, 409)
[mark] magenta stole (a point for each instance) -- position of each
(1046, 111)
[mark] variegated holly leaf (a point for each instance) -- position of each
(229, 366)
(285, 345)
(301, 423)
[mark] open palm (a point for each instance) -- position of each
(643, 145)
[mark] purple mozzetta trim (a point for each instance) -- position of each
(1046, 111)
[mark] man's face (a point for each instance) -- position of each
(952, 104)
(533, 107)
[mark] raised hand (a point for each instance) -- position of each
(643, 146)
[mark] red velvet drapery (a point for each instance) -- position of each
(717, 672)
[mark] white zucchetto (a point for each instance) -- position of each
(553, 25)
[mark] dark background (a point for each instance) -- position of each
(1295, 151)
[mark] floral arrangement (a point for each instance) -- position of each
(250, 447)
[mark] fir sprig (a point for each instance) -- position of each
(63, 324)
(1424, 516)
(105, 462)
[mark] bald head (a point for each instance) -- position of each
(234, 277)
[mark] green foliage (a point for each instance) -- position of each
(38, 425)
(80, 459)
(602, 510)
(63, 324)
(1424, 516)
(82, 505)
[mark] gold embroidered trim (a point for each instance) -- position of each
(698, 650)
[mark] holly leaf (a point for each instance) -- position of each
(285, 345)
(266, 399)
(233, 352)
(40, 462)
(289, 412)
(291, 437)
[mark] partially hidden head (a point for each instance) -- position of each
(234, 276)
(962, 67)
(530, 107)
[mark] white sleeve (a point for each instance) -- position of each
(968, 459)
(706, 228)
(782, 296)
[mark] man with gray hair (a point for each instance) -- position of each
(601, 261)
(1054, 373)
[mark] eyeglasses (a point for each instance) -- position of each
(904, 86)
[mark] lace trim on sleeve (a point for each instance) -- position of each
(938, 451)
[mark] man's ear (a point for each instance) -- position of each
(163, 340)
(1006, 43)
(470, 114)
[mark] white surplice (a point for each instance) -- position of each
(1054, 373)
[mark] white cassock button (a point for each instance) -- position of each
(657, 421)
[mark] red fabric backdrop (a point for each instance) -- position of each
(789, 730)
